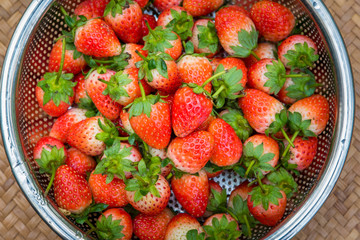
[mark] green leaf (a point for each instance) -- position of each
(279, 123)
(87, 104)
(109, 229)
(284, 180)
(302, 57)
(182, 24)
(189, 48)
(158, 39)
(217, 202)
(276, 76)
(115, 86)
(303, 87)
(247, 43)
(237, 121)
(109, 132)
(143, 106)
(208, 37)
(271, 194)
(296, 124)
(51, 160)
(222, 229)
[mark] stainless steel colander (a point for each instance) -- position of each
(23, 122)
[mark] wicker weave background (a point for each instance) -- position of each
(339, 218)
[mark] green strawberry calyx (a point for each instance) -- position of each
(117, 7)
(222, 229)
(109, 132)
(194, 234)
(247, 43)
(302, 57)
(158, 39)
(279, 125)
(87, 104)
(115, 86)
(265, 194)
(303, 86)
(109, 229)
(283, 180)
(182, 24)
(83, 217)
(207, 37)
(217, 202)
(154, 61)
(236, 120)
(199, 89)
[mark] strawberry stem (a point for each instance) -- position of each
(103, 61)
(249, 168)
(218, 91)
(140, 55)
(287, 137)
(63, 11)
(92, 227)
(291, 141)
(143, 95)
(62, 61)
(212, 78)
(295, 75)
(247, 224)
(151, 31)
(53, 170)
(226, 210)
(260, 184)
(123, 138)
(255, 55)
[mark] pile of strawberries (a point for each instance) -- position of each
(147, 106)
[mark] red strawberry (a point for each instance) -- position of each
(227, 147)
(169, 98)
(215, 62)
(231, 62)
(80, 162)
(213, 186)
(161, 153)
(62, 125)
(189, 110)
(96, 38)
(222, 224)
(193, 69)
(120, 127)
(202, 7)
(47, 143)
(263, 50)
(91, 8)
(142, 3)
(152, 227)
(205, 125)
(71, 190)
(192, 192)
(283, 93)
(180, 225)
(95, 88)
(124, 116)
(259, 109)
(257, 77)
(112, 194)
(242, 190)
(191, 153)
(83, 136)
(273, 20)
(151, 20)
(105, 224)
(298, 51)
(71, 64)
(125, 20)
(212, 175)
(80, 91)
(315, 108)
(303, 153)
(204, 37)
(162, 5)
(131, 48)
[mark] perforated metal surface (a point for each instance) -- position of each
(33, 123)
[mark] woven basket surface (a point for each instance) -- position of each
(339, 217)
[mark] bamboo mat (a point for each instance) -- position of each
(339, 218)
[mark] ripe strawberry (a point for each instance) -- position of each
(80, 91)
(169, 99)
(232, 22)
(213, 174)
(195, 69)
(191, 153)
(200, 7)
(161, 153)
(259, 109)
(125, 17)
(215, 62)
(124, 116)
(298, 51)
(47, 143)
(131, 48)
(115, 223)
(162, 5)
(303, 153)
(231, 62)
(242, 190)
(151, 20)
(257, 75)
(227, 145)
(62, 125)
(91, 8)
(263, 50)
(95, 88)
(192, 192)
(204, 37)
(152, 227)
(237, 121)
(112, 194)
(142, 3)
(314, 108)
(80, 162)
(72, 63)
(205, 125)
(223, 225)
(97, 31)
(273, 20)
(180, 225)
(213, 186)
(189, 110)
(71, 190)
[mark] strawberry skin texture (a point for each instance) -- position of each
(152, 227)
(156, 130)
(315, 108)
(259, 109)
(303, 153)
(180, 225)
(128, 25)
(96, 38)
(257, 78)
(142, 3)
(228, 22)
(71, 65)
(202, 7)
(152, 23)
(165, 17)
(80, 162)
(282, 94)
(263, 50)
(168, 85)
(80, 91)
(194, 69)
(176, 51)
(124, 117)
(215, 62)
(91, 8)
(62, 125)
(273, 20)
(205, 125)
(108, 107)
(125, 221)
(132, 89)
(231, 62)
(227, 147)
(47, 143)
(163, 5)
(131, 48)
(83, 136)
(150, 204)
(271, 216)
(71, 190)
(113, 194)
(191, 153)
(192, 192)
(242, 190)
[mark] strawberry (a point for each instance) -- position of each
(231, 62)
(62, 125)
(120, 127)
(227, 146)
(161, 153)
(273, 20)
(112, 194)
(151, 20)
(131, 48)
(303, 153)
(95, 87)
(142, 3)
(125, 17)
(215, 62)
(195, 69)
(201, 7)
(91, 8)
(263, 50)
(152, 227)
(191, 153)
(80, 162)
(204, 37)
(169, 99)
(213, 174)
(259, 109)
(298, 51)
(205, 125)
(72, 64)
(80, 91)
(222, 226)
(97, 31)
(192, 192)
(236, 120)
(124, 116)
(242, 190)
(162, 5)
(213, 186)
(283, 180)
(236, 31)
(180, 225)
(71, 190)
(114, 223)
